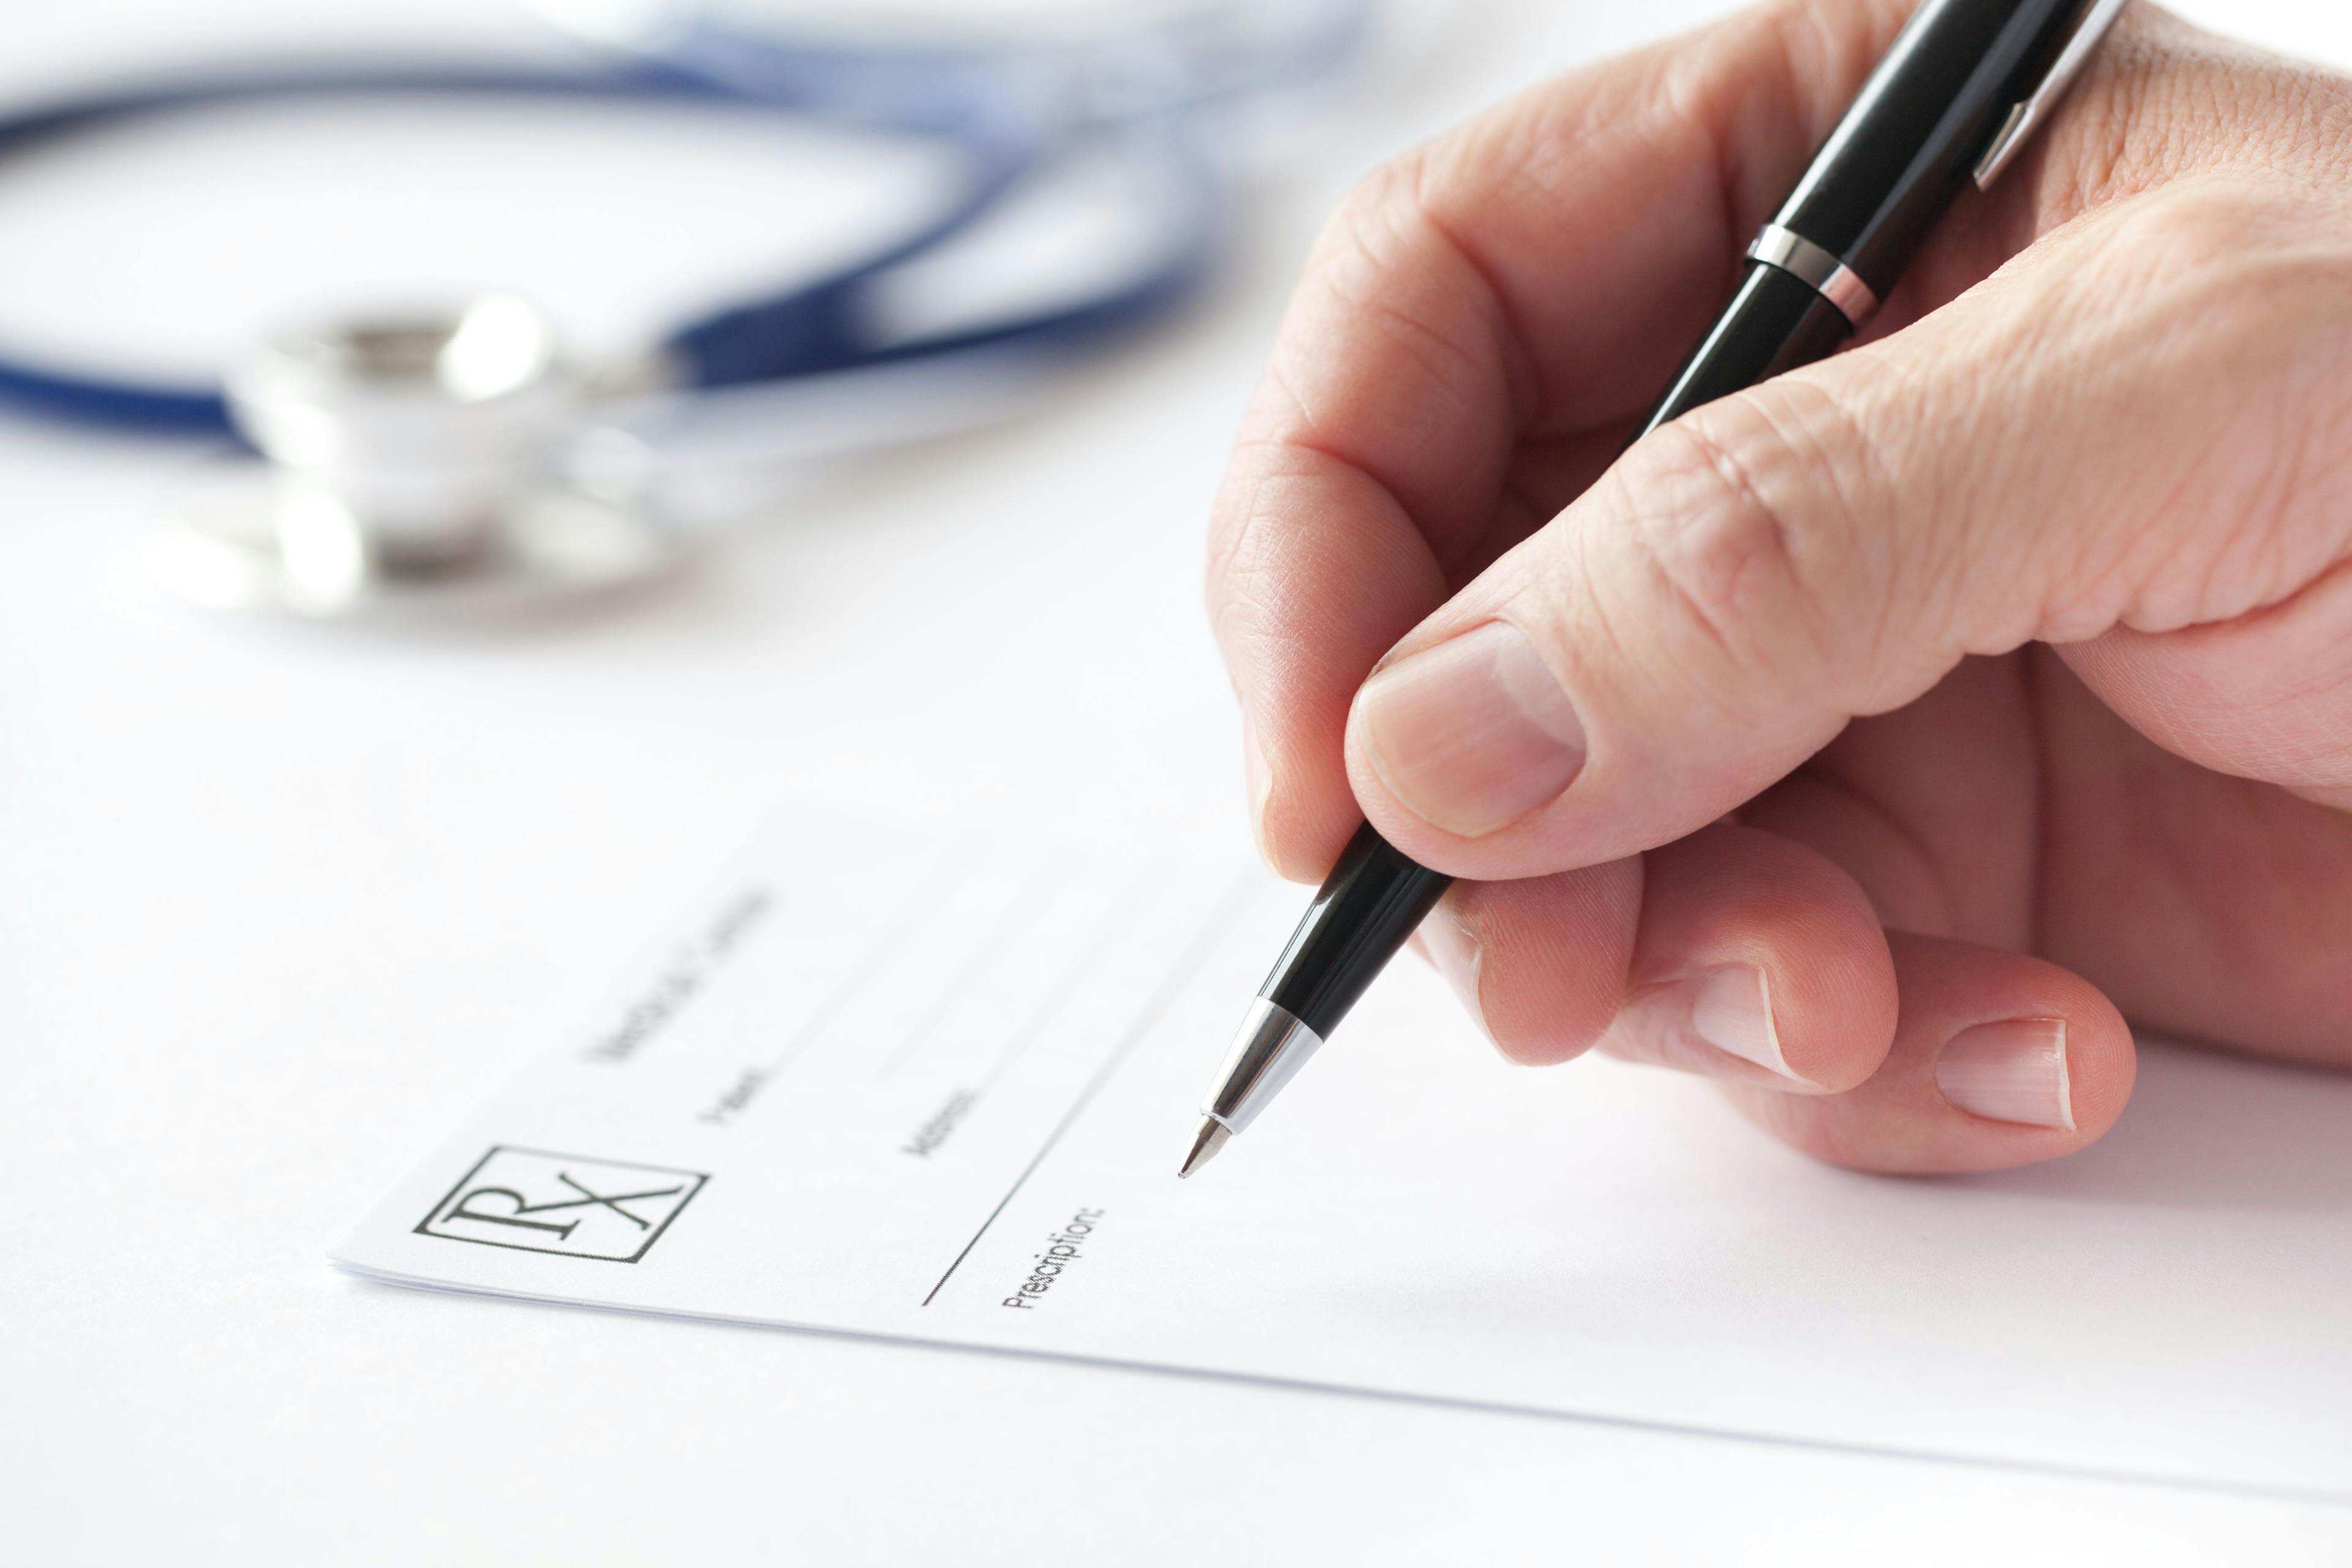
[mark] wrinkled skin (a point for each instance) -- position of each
(1997, 669)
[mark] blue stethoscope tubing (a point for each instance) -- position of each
(1008, 114)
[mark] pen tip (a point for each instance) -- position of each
(1205, 1144)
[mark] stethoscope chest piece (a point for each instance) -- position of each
(406, 465)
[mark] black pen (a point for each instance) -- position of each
(1960, 90)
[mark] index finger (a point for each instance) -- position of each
(1474, 310)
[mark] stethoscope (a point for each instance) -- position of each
(461, 459)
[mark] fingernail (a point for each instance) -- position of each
(1455, 952)
(2011, 1072)
(1732, 1010)
(1474, 733)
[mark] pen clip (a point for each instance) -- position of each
(2025, 117)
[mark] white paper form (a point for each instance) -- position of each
(946, 1104)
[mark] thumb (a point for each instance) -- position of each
(2092, 438)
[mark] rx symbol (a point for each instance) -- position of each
(534, 1200)
(562, 1230)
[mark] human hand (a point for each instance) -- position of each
(1865, 740)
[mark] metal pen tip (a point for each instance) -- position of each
(1205, 1144)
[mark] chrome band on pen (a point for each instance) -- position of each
(1830, 278)
(1272, 1046)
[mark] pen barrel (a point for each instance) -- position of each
(1910, 142)
(1378, 897)
(1775, 321)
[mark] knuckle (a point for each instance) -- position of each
(2188, 429)
(2258, 286)
(1827, 50)
(1238, 578)
(1362, 228)
(1760, 64)
(2115, 138)
(1721, 537)
(2260, 256)
(2201, 229)
(1223, 576)
(1233, 517)
(1398, 277)
(2163, 100)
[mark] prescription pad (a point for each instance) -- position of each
(943, 1099)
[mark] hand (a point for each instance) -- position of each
(1866, 741)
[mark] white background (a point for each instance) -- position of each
(278, 904)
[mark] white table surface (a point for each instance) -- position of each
(277, 904)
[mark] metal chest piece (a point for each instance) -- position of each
(409, 463)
